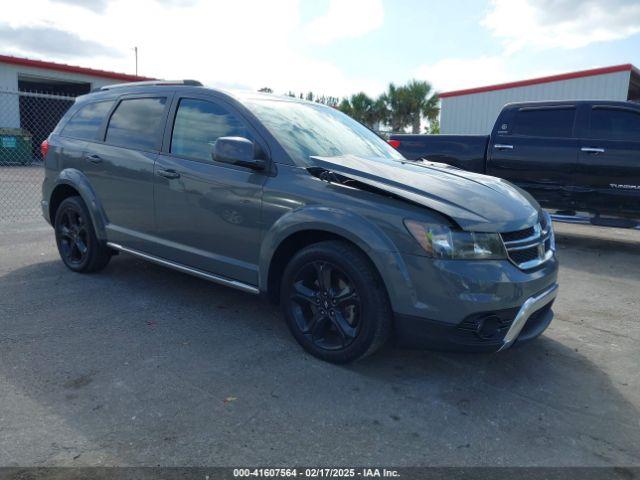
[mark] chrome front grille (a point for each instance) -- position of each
(530, 247)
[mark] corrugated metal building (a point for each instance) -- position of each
(27, 75)
(474, 111)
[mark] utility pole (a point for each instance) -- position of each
(135, 49)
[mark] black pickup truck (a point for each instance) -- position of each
(574, 157)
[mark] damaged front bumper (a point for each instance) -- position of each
(475, 306)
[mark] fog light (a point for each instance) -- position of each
(489, 327)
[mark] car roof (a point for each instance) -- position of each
(114, 91)
(571, 102)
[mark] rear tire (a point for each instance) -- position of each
(79, 248)
(335, 303)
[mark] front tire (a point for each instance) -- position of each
(79, 248)
(335, 303)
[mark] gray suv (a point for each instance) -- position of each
(298, 202)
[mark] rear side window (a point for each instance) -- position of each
(86, 122)
(199, 124)
(136, 123)
(544, 122)
(615, 124)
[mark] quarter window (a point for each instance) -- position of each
(136, 123)
(86, 122)
(615, 124)
(549, 122)
(199, 124)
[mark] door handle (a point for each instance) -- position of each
(170, 174)
(502, 146)
(94, 158)
(594, 150)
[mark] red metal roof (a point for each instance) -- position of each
(535, 81)
(63, 67)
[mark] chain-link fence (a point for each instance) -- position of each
(26, 120)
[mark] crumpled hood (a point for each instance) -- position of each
(475, 202)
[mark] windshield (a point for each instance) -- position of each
(307, 129)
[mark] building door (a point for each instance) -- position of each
(42, 104)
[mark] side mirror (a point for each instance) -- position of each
(237, 151)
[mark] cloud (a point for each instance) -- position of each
(457, 73)
(566, 24)
(50, 41)
(94, 5)
(461, 73)
(214, 41)
(346, 19)
(178, 3)
(534, 24)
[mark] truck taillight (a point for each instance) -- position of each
(394, 143)
(44, 148)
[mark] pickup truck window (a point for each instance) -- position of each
(199, 124)
(305, 129)
(614, 124)
(544, 122)
(136, 123)
(86, 122)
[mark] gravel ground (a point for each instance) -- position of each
(141, 365)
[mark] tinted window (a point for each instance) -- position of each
(136, 123)
(552, 122)
(615, 124)
(199, 124)
(86, 122)
(306, 129)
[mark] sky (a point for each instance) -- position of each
(330, 47)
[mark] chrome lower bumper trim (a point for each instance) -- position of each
(183, 268)
(532, 305)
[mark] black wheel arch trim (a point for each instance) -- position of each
(78, 181)
(365, 235)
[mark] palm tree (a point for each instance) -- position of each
(345, 106)
(433, 128)
(420, 101)
(379, 113)
(397, 108)
(361, 108)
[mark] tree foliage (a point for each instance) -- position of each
(398, 108)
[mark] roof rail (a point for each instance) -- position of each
(191, 83)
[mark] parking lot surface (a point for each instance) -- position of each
(140, 365)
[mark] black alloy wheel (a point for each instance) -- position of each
(73, 236)
(335, 302)
(78, 245)
(326, 305)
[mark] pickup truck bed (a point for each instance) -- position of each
(463, 151)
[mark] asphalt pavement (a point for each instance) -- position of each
(141, 365)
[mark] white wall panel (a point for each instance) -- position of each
(476, 113)
(9, 106)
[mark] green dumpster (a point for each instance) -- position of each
(15, 147)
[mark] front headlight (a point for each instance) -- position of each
(547, 227)
(440, 241)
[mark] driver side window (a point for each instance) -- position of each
(198, 124)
